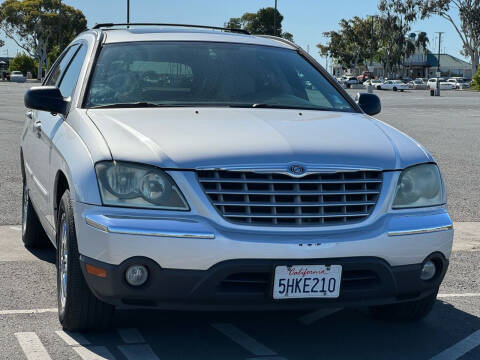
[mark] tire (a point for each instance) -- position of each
(407, 311)
(33, 234)
(401, 90)
(394, 89)
(78, 308)
(379, 87)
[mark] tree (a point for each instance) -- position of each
(353, 44)
(23, 63)
(476, 79)
(394, 44)
(467, 28)
(38, 25)
(261, 22)
(422, 41)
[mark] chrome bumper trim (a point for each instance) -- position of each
(117, 229)
(420, 231)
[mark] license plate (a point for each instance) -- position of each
(307, 281)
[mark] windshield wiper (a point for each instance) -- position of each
(140, 104)
(274, 106)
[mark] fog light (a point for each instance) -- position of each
(428, 270)
(136, 275)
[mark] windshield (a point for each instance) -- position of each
(209, 74)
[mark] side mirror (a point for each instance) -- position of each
(369, 103)
(46, 98)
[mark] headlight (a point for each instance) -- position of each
(134, 185)
(419, 186)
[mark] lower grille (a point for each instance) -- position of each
(278, 199)
(259, 282)
(251, 283)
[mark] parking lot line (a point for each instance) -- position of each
(32, 346)
(73, 339)
(138, 352)
(28, 311)
(458, 295)
(94, 353)
(460, 348)
(244, 340)
(131, 336)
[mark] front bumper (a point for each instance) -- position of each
(247, 284)
(193, 242)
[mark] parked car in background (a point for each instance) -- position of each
(418, 84)
(395, 85)
(459, 82)
(366, 75)
(236, 185)
(351, 80)
(17, 76)
(444, 84)
(373, 82)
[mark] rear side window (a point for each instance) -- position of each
(61, 66)
(69, 79)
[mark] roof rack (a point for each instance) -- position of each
(279, 39)
(109, 25)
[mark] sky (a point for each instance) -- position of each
(305, 19)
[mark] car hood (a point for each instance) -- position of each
(187, 138)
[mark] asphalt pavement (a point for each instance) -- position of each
(448, 126)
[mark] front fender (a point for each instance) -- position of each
(75, 154)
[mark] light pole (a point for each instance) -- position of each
(437, 92)
(128, 11)
(275, 20)
(370, 87)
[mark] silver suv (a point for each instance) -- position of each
(193, 168)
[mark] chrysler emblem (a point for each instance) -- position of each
(296, 169)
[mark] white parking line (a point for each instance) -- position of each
(73, 339)
(17, 228)
(244, 340)
(131, 336)
(29, 311)
(138, 352)
(94, 353)
(312, 317)
(458, 295)
(32, 346)
(460, 348)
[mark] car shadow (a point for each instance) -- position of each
(346, 334)
(47, 254)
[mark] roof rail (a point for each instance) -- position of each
(109, 25)
(279, 39)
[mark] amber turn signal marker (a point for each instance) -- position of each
(96, 271)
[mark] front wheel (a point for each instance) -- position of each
(394, 89)
(78, 308)
(407, 311)
(379, 87)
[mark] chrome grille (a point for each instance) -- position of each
(278, 199)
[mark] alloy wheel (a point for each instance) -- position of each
(63, 261)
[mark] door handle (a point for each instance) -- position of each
(29, 114)
(37, 125)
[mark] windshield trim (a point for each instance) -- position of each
(101, 44)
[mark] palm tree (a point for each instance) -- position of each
(422, 41)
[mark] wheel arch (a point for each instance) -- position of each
(60, 186)
(22, 166)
